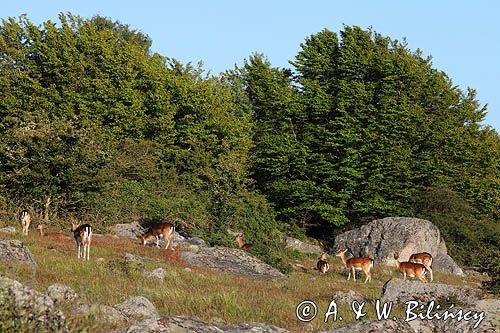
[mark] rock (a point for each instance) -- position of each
(379, 239)
(253, 328)
(372, 326)
(138, 307)
(128, 230)
(302, 247)
(102, 313)
(158, 273)
(179, 324)
(129, 257)
(14, 251)
(8, 230)
(61, 293)
(234, 261)
(400, 291)
(349, 297)
(34, 309)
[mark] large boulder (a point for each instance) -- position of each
(102, 313)
(372, 326)
(379, 239)
(35, 311)
(400, 291)
(128, 230)
(138, 307)
(234, 261)
(8, 230)
(253, 328)
(301, 246)
(61, 293)
(14, 251)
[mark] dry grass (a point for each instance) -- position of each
(196, 292)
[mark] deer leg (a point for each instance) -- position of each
(168, 243)
(349, 276)
(354, 274)
(157, 241)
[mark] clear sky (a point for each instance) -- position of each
(463, 37)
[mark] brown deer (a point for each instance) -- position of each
(83, 238)
(356, 264)
(41, 229)
(322, 265)
(164, 230)
(25, 221)
(244, 246)
(425, 259)
(410, 268)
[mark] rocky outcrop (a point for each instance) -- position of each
(128, 230)
(183, 324)
(349, 297)
(379, 239)
(8, 230)
(14, 251)
(62, 294)
(400, 291)
(372, 326)
(301, 246)
(234, 261)
(138, 307)
(35, 311)
(103, 313)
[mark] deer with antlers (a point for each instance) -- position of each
(164, 230)
(410, 269)
(83, 238)
(356, 264)
(425, 259)
(25, 221)
(244, 246)
(322, 265)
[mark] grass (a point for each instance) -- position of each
(198, 292)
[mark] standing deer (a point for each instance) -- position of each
(410, 268)
(25, 221)
(322, 264)
(356, 264)
(164, 230)
(41, 228)
(83, 238)
(244, 246)
(423, 258)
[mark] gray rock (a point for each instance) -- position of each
(253, 328)
(138, 307)
(372, 326)
(158, 273)
(8, 230)
(128, 230)
(102, 313)
(234, 261)
(179, 324)
(379, 239)
(34, 309)
(349, 297)
(400, 291)
(302, 247)
(14, 251)
(61, 293)
(129, 257)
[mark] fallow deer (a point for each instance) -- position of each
(410, 269)
(83, 238)
(244, 246)
(356, 264)
(425, 259)
(164, 230)
(41, 228)
(322, 265)
(25, 221)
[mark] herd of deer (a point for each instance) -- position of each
(83, 235)
(418, 265)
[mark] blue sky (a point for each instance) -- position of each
(463, 37)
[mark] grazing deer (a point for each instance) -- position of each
(423, 258)
(83, 238)
(25, 221)
(410, 268)
(162, 229)
(322, 265)
(356, 264)
(244, 246)
(41, 228)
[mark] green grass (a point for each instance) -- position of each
(200, 292)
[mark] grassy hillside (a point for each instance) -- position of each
(197, 292)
